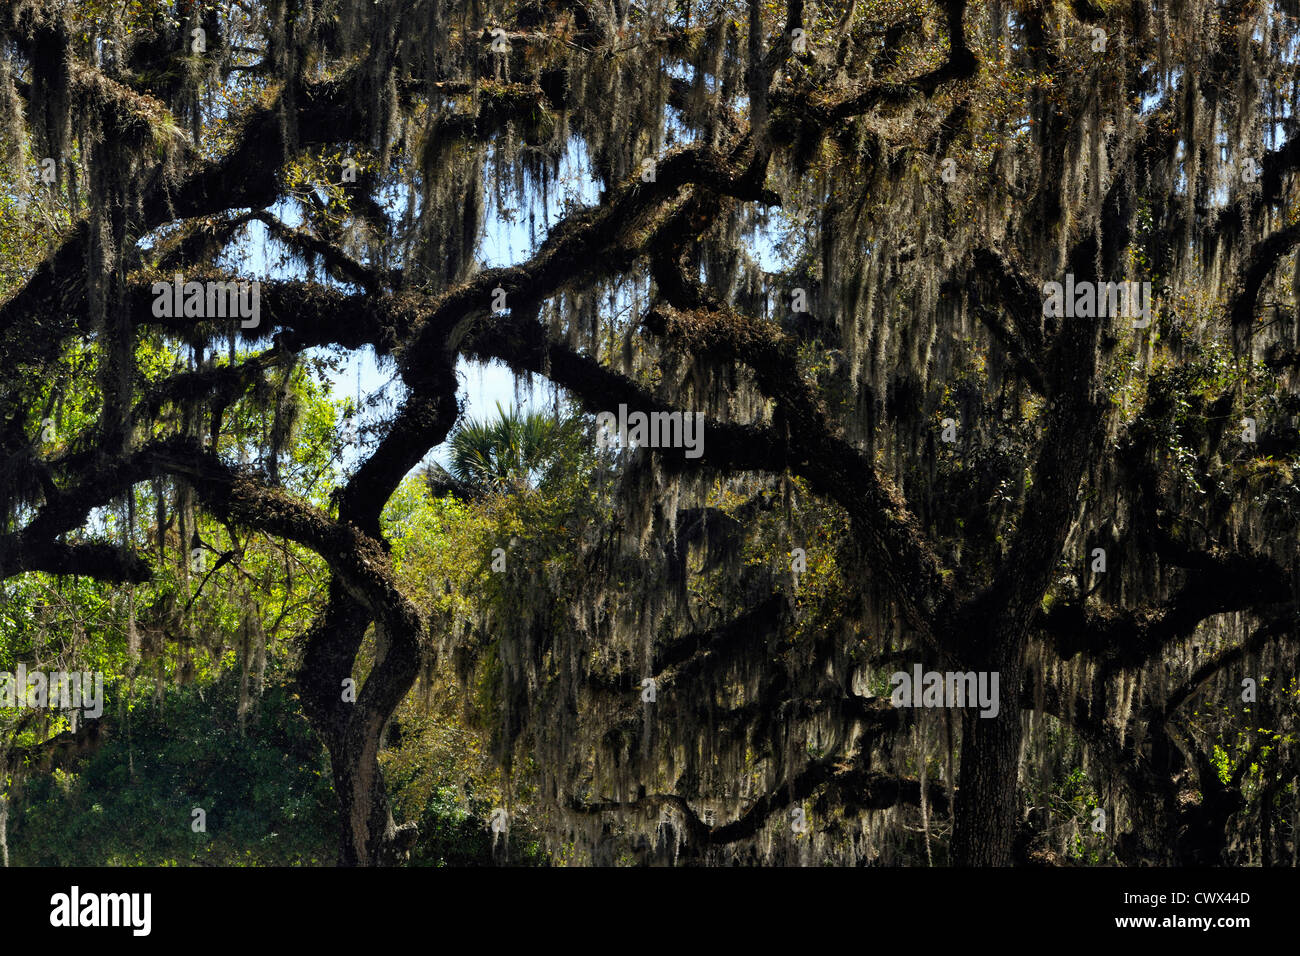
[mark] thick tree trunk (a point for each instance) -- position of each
(352, 725)
(985, 817)
(992, 629)
(352, 729)
(369, 837)
(985, 824)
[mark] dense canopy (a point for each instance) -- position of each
(832, 230)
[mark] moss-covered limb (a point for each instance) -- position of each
(422, 423)
(341, 265)
(324, 112)
(776, 701)
(213, 386)
(199, 240)
(697, 830)
(358, 560)
(37, 547)
(1259, 263)
(1119, 638)
(857, 789)
(220, 385)
(713, 646)
(247, 177)
(594, 23)
(961, 64)
(137, 117)
(865, 721)
(1010, 287)
(63, 84)
(104, 479)
(595, 241)
(298, 313)
(1279, 626)
(681, 234)
(98, 560)
(895, 543)
(525, 347)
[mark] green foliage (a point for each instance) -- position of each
(516, 450)
(267, 794)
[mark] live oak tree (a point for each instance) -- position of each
(828, 228)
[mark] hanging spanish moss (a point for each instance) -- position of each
(831, 233)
